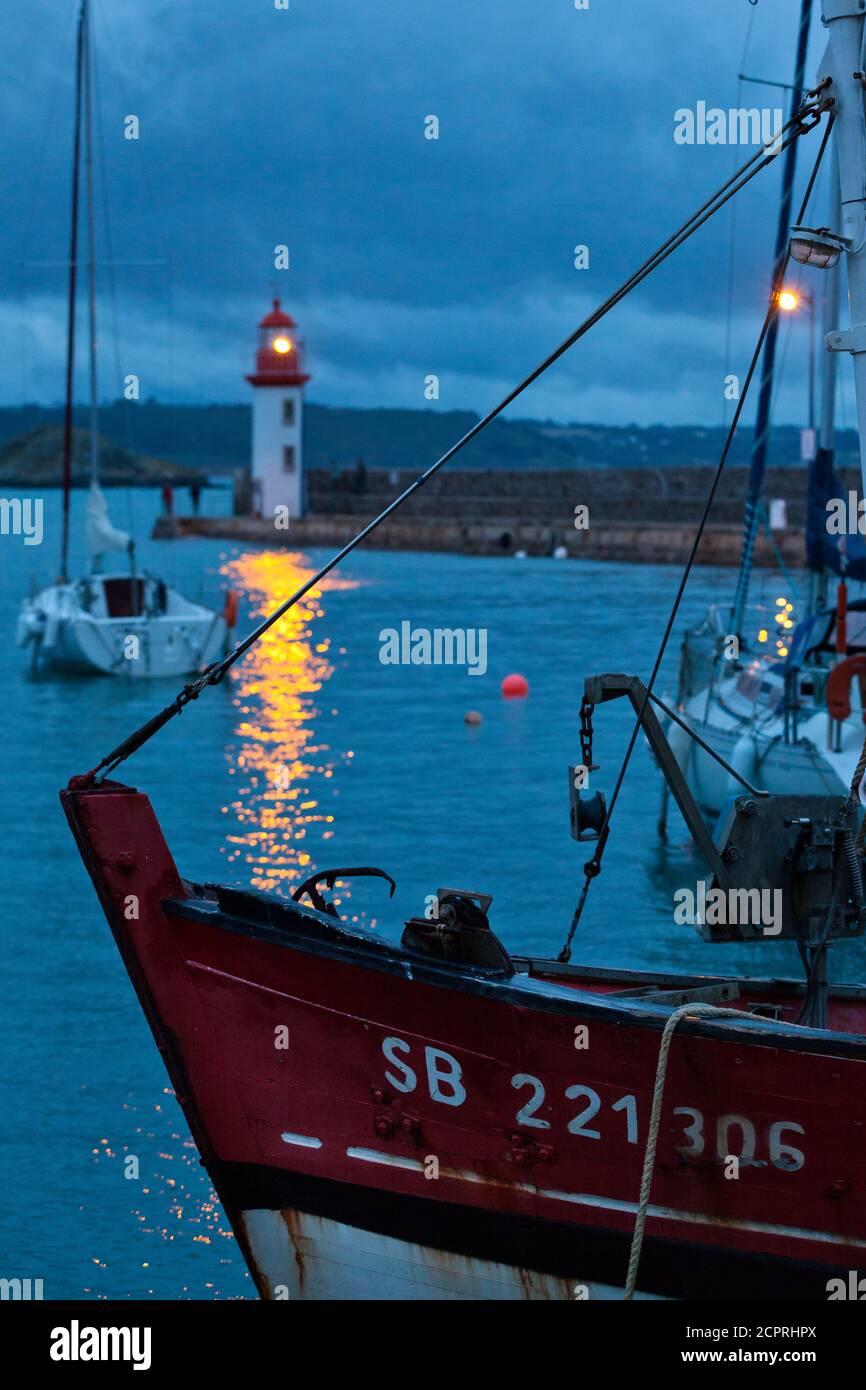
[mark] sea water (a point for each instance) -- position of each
(314, 753)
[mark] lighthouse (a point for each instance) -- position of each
(277, 471)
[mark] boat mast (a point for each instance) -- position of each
(823, 460)
(91, 246)
(830, 317)
(71, 293)
(765, 400)
(843, 62)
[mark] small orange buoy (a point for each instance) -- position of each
(515, 687)
(472, 716)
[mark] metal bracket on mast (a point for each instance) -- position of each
(842, 9)
(847, 339)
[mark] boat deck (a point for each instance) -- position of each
(770, 997)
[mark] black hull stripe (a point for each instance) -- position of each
(671, 1268)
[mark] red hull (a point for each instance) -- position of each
(468, 1115)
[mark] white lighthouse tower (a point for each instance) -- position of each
(278, 414)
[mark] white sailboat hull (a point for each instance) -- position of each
(802, 767)
(64, 636)
(164, 647)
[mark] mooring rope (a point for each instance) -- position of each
(684, 1011)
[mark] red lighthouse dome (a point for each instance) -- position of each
(279, 355)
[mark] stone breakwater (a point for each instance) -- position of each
(642, 515)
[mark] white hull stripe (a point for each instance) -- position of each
(585, 1199)
(303, 1141)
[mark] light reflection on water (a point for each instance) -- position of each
(278, 758)
(174, 1205)
(279, 763)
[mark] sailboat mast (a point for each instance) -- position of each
(830, 318)
(821, 466)
(843, 62)
(71, 294)
(91, 246)
(765, 400)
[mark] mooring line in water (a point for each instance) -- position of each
(801, 122)
(593, 866)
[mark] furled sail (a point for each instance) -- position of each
(101, 534)
(822, 547)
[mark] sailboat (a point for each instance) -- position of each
(790, 717)
(111, 623)
(443, 1119)
(773, 700)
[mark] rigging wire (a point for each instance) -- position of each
(111, 280)
(160, 236)
(804, 119)
(68, 437)
(35, 204)
(761, 433)
(733, 234)
(592, 868)
(110, 276)
(91, 254)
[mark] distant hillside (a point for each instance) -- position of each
(35, 459)
(216, 439)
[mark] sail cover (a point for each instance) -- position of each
(822, 548)
(101, 534)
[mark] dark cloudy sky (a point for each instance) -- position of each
(408, 256)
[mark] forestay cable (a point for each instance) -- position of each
(803, 120)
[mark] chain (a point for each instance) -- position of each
(586, 709)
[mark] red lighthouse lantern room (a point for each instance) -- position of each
(280, 351)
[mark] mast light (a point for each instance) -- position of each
(816, 246)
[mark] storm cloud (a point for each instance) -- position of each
(409, 257)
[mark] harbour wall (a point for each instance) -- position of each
(639, 515)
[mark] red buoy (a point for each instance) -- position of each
(515, 687)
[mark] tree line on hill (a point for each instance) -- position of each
(216, 439)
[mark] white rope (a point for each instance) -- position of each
(684, 1011)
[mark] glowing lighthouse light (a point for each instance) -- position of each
(277, 464)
